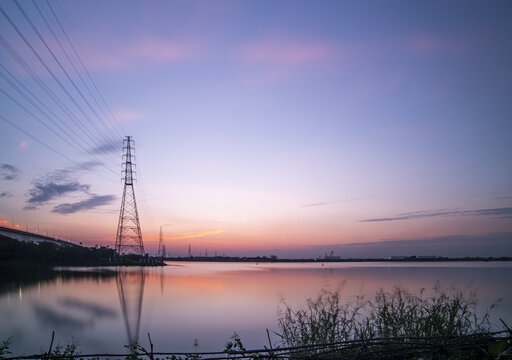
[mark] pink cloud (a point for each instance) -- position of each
(147, 51)
(288, 52)
(127, 115)
(425, 43)
(273, 60)
(23, 144)
(161, 51)
(431, 43)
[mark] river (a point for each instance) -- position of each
(187, 303)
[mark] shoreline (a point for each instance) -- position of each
(349, 260)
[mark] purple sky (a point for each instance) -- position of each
(290, 127)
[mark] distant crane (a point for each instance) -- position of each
(331, 256)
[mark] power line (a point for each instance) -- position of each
(77, 139)
(115, 120)
(51, 148)
(46, 67)
(44, 124)
(48, 91)
(74, 68)
(45, 113)
(76, 147)
(93, 123)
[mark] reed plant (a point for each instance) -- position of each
(399, 313)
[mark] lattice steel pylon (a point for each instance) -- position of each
(161, 246)
(129, 235)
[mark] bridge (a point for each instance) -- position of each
(31, 237)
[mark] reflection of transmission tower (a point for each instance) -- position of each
(130, 285)
(161, 246)
(129, 235)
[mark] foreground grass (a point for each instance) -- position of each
(399, 313)
(442, 325)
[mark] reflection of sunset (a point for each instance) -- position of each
(195, 283)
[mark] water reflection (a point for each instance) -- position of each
(162, 281)
(107, 309)
(13, 278)
(91, 308)
(58, 319)
(130, 286)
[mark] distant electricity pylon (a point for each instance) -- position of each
(129, 235)
(161, 246)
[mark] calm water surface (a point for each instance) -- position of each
(107, 308)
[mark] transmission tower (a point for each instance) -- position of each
(161, 246)
(129, 235)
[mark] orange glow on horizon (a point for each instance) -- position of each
(184, 235)
(5, 223)
(196, 235)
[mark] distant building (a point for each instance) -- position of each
(414, 257)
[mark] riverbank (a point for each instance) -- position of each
(22, 254)
(266, 259)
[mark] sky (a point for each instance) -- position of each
(296, 128)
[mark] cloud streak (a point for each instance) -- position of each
(9, 172)
(146, 51)
(274, 59)
(42, 193)
(195, 235)
(493, 244)
(287, 52)
(429, 43)
(91, 203)
(5, 194)
(86, 165)
(452, 245)
(504, 212)
(325, 203)
(127, 115)
(108, 148)
(57, 184)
